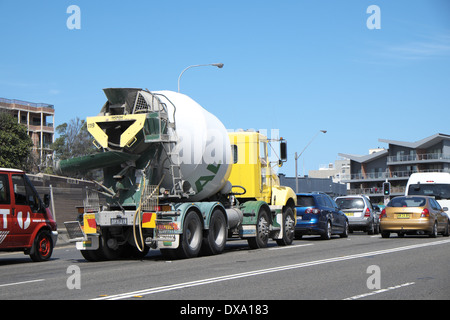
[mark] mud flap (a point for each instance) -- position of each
(246, 231)
(172, 244)
(90, 243)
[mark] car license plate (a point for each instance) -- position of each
(118, 221)
(349, 214)
(403, 216)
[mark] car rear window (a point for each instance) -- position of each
(407, 202)
(350, 203)
(305, 201)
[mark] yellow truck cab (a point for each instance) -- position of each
(252, 172)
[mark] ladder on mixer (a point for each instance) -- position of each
(175, 169)
(170, 140)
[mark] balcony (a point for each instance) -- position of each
(382, 176)
(376, 192)
(418, 158)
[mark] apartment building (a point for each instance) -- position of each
(395, 164)
(39, 119)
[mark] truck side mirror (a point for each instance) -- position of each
(283, 150)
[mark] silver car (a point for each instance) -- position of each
(360, 213)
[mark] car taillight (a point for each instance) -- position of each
(367, 213)
(425, 213)
(312, 210)
(383, 214)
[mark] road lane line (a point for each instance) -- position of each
(379, 291)
(22, 282)
(264, 271)
(292, 247)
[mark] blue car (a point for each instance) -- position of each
(317, 213)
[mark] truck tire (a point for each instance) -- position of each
(262, 231)
(190, 240)
(288, 228)
(215, 240)
(42, 248)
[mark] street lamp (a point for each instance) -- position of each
(218, 65)
(296, 158)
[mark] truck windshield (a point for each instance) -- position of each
(439, 191)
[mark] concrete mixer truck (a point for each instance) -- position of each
(175, 179)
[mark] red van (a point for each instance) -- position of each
(26, 223)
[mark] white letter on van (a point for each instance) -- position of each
(5, 213)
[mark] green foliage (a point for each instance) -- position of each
(74, 140)
(15, 143)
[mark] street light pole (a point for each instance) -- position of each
(218, 65)
(296, 158)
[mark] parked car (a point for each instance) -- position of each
(360, 213)
(317, 213)
(26, 221)
(414, 215)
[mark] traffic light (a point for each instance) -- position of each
(386, 188)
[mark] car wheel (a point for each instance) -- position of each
(371, 229)
(433, 233)
(327, 234)
(385, 234)
(42, 247)
(344, 234)
(447, 230)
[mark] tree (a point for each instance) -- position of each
(74, 140)
(15, 143)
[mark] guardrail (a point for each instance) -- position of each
(419, 157)
(26, 103)
(385, 175)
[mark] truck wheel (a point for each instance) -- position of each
(191, 239)
(288, 228)
(262, 231)
(89, 255)
(42, 247)
(216, 238)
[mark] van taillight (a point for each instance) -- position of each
(367, 213)
(425, 213)
(383, 214)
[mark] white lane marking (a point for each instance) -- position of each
(379, 291)
(292, 247)
(263, 271)
(22, 282)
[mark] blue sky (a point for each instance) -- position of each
(296, 66)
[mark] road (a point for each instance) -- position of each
(359, 267)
